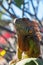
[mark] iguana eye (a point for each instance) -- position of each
(30, 31)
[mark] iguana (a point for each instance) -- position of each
(28, 38)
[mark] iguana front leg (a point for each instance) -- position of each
(19, 54)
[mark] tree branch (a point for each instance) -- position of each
(10, 7)
(8, 12)
(35, 12)
(12, 10)
(33, 7)
(29, 13)
(23, 8)
(4, 28)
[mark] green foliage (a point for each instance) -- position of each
(18, 2)
(0, 16)
(31, 61)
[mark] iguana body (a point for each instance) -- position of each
(28, 39)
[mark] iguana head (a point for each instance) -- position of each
(23, 26)
(26, 27)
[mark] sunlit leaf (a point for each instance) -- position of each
(30, 61)
(18, 2)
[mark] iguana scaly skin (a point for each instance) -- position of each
(28, 38)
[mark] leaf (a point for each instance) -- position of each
(0, 15)
(30, 61)
(18, 2)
